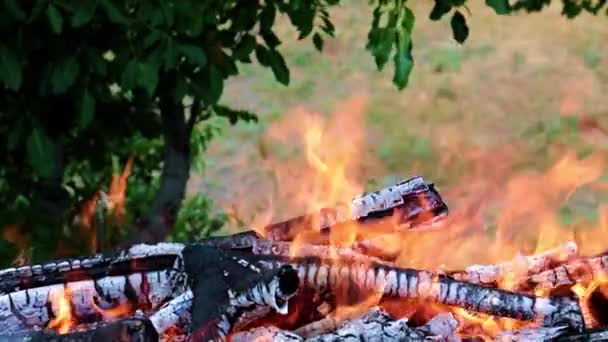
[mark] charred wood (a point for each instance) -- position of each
(126, 330)
(138, 258)
(176, 312)
(35, 307)
(423, 285)
(584, 269)
(519, 268)
(412, 202)
(230, 286)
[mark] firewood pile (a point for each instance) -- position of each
(276, 286)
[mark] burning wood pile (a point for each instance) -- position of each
(292, 283)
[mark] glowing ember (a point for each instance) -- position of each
(119, 311)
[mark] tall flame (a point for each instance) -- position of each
(497, 204)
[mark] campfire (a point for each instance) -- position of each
(293, 281)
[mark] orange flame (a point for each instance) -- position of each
(119, 311)
(63, 320)
(498, 210)
(116, 198)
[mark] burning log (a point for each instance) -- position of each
(518, 268)
(375, 325)
(228, 284)
(139, 258)
(222, 291)
(585, 269)
(423, 285)
(88, 299)
(173, 313)
(412, 203)
(126, 330)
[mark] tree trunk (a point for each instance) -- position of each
(177, 130)
(176, 171)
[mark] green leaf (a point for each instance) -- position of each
(267, 17)
(262, 54)
(113, 13)
(55, 19)
(64, 74)
(147, 76)
(12, 7)
(403, 59)
(130, 75)
(195, 54)
(501, 7)
(271, 39)
(571, 8)
(460, 30)
(40, 152)
(318, 41)
(10, 68)
(380, 44)
(328, 27)
(408, 20)
(84, 13)
(279, 68)
(170, 56)
(96, 62)
(37, 10)
(87, 110)
(151, 39)
(440, 9)
(244, 47)
(210, 86)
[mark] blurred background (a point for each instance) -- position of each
(521, 94)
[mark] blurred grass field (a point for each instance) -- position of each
(509, 99)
